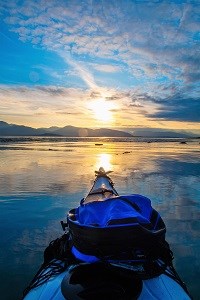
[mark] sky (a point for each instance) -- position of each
(121, 64)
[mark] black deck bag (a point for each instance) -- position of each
(124, 224)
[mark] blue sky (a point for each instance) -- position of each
(119, 64)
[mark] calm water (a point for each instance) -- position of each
(41, 179)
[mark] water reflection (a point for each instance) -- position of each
(104, 160)
(38, 187)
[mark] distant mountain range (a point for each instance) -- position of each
(67, 131)
(72, 131)
(161, 133)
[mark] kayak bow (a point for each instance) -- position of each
(103, 187)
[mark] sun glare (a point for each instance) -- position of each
(104, 160)
(102, 110)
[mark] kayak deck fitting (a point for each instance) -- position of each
(114, 247)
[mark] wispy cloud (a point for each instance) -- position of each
(126, 32)
(39, 100)
(152, 47)
(106, 68)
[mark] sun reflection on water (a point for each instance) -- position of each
(104, 160)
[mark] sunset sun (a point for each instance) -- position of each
(102, 110)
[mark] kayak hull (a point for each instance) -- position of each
(159, 288)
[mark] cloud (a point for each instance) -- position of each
(129, 32)
(135, 104)
(40, 100)
(81, 70)
(107, 68)
(34, 99)
(169, 103)
(67, 113)
(94, 95)
(153, 46)
(179, 109)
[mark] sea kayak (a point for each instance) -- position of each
(113, 247)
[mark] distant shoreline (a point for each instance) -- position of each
(16, 139)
